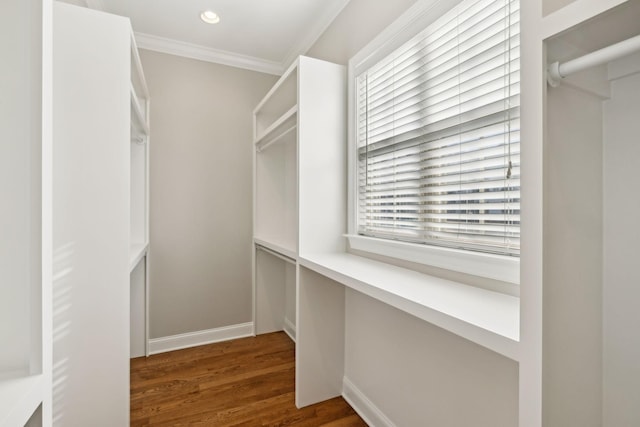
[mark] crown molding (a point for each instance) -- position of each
(320, 26)
(203, 53)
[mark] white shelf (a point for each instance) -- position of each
(138, 119)
(19, 398)
(487, 318)
(279, 128)
(573, 14)
(137, 251)
(277, 246)
(277, 102)
(137, 73)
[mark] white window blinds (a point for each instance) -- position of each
(438, 134)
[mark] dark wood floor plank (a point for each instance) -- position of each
(246, 382)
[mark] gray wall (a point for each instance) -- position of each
(621, 293)
(416, 373)
(200, 192)
(572, 328)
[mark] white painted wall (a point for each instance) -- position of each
(572, 312)
(621, 290)
(91, 138)
(200, 192)
(420, 375)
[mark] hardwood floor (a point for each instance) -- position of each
(245, 382)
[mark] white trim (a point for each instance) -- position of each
(410, 23)
(497, 267)
(203, 53)
(193, 339)
(368, 411)
(290, 329)
(321, 24)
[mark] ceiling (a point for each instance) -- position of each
(264, 35)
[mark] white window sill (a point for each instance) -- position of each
(487, 318)
(503, 268)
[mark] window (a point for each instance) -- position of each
(436, 125)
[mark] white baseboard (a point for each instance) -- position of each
(290, 329)
(369, 412)
(193, 339)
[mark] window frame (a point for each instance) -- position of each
(498, 267)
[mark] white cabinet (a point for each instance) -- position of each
(100, 157)
(579, 310)
(299, 183)
(25, 216)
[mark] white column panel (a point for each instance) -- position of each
(320, 338)
(91, 132)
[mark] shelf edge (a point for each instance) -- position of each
(267, 132)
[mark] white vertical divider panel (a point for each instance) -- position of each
(320, 342)
(91, 217)
(322, 190)
(322, 167)
(139, 205)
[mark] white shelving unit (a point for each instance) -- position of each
(590, 297)
(100, 206)
(139, 204)
(579, 288)
(299, 174)
(25, 219)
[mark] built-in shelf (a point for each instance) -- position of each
(138, 119)
(299, 206)
(19, 398)
(136, 253)
(573, 14)
(276, 246)
(137, 74)
(487, 318)
(282, 97)
(279, 128)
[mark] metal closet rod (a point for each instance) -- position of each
(556, 71)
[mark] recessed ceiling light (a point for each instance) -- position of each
(210, 17)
